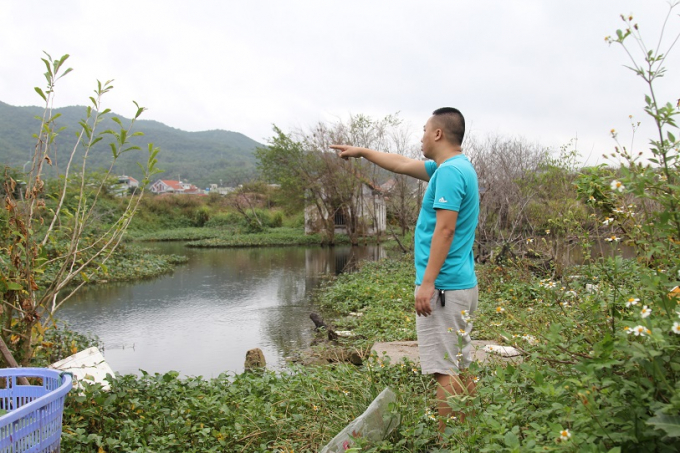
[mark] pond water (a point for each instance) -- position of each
(203, 318)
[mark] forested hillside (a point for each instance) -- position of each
(198, 157)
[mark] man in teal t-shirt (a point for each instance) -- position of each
(449, 188)
(446, 284)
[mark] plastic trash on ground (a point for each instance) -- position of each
(87, 365)
(376, 423)
(503, 351)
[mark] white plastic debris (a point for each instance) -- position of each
(592, 289)
(503, 351)
(345, 333)
(87, 365)
(376, 423)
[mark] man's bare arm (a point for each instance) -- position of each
(392, 162)
(442, 238)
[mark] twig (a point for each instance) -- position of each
(9, 358)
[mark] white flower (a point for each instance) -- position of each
(645, 312)
(632, 301)
(676, 328)
(612, 238)
(500, 309)
(529, 241)
(618, 210)
(529, 339)
(617, 185)
(640, 331)
(565, 434)
(607, 221)
(461, 332)
(464, 313)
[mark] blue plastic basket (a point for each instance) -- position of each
(33, 419)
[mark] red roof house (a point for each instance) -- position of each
(170, 186)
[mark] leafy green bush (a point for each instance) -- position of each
(59, 342)
(294, 220)
(223, 219)
(201, 216)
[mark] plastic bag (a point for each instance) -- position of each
(376, 423)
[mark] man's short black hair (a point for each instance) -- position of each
(453, 124)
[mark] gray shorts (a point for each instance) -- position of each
(444, 340)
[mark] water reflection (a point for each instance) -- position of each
(203, 318)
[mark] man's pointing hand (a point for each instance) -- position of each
(347, 151)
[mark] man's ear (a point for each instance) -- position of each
(438, 134)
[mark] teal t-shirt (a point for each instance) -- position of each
(453, 185)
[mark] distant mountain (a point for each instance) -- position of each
(200, 158)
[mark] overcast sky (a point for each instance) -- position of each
(536, 69)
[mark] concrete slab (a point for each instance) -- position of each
(396, 350)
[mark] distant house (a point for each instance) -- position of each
(214, 188)
(177, 187)
(128, 181)
(125, 185)
(371, 213)
(388, 186)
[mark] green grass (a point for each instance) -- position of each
(272, 237)
(129, 262)
(182, 234)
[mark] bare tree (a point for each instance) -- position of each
(504, 165)
(337, 191)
